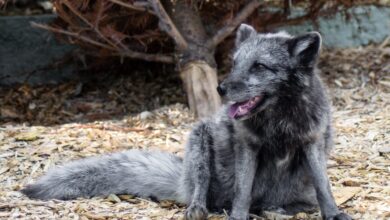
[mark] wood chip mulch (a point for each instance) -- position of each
(45, 126)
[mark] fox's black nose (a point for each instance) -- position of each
(221, 90)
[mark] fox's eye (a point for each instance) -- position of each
(257, 66)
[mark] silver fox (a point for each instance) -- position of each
(265, 149)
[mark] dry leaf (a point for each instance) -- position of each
(8, 113)
(126, 197)
(28, 136)
(167, 204)
(350, 182)
(344, 194)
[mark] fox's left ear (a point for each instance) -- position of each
(244, 32)
(305, 48)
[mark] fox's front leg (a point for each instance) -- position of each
(245, 170)
(316, 164)
(197, 172)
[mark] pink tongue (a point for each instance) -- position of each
(233, 110)
(243, 108)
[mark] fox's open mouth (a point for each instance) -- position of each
(241, 109)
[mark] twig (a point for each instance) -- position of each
(123, 51)
(27, 203)
(233, 23)
(127, 53)
(112, 128)
(385, 42)
(76, 35)
(147, 57)
(253, 216)
(131, 6)
(287, 7)
(167, 25)
(95, 28)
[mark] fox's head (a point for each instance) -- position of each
(267, 67)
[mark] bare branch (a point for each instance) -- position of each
(167, 25)
(233, 23)
(95, 28)
(72, 34)
(127, 53)
(287, 7)
(112, 128)
(161, 58)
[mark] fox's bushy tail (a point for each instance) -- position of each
(141, 173)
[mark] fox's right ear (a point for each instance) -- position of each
(305, 48)
(244, 32)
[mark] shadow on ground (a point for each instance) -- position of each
(108, 97)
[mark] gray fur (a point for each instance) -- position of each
(117, 173)
(273, 157)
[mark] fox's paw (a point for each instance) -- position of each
(340, 216)
(196, 212)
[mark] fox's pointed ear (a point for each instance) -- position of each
(244, 32)
(305, 48)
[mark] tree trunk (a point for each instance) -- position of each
(200, 82)
(197, 64)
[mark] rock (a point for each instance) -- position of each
(301, 216)
(145, 115)
(46, 5)
(113, 198)
(384, 150)
(32, 55)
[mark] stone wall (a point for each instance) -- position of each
(370, 24)
(34, 56)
